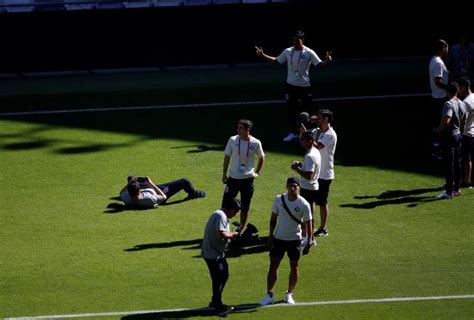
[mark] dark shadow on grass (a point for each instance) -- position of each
(196, 244)
(237, 250)
(27, 145)
(404, 146)
(84, 149)
(117, 207)
(201, 148)
(391, 194)
(189, 313)
(395, 197)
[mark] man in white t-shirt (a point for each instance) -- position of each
(242, 149)
(439, 78)
(298, 86)
(325, 142)
(467, 142)
(309, 169)
(289, 212)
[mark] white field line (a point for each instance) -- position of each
(300, 304)
(202, 105)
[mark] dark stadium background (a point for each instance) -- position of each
(214, 34)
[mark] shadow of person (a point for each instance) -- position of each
(167, 203)
(115, 207)
(205, 148)
(196, 243)
(391, 194)
(201, 148)
(258, 245)
(412, 198)
(410, 201)
(188, 313)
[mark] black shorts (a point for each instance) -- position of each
(279, 247)
(323, 192)
(309, 195)
(244, 186)
(467, 148)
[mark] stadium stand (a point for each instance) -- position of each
(59, 5)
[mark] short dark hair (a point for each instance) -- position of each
(232, 204)
(452, 88)
(133, 188)
(247, 124)
(308, 134)
(326, 113)
(299, 34)
(292, 180)
(439, 44)
(464, 82)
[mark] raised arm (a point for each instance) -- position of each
(259, 52)
(154, 187)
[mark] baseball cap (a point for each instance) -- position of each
(293, 180)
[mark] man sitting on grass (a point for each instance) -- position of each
(141, 192)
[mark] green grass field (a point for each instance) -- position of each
(68, 248)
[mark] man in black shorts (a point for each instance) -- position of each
(291, 211)
(239, 154)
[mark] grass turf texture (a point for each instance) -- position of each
(67, 249)
(66, 246)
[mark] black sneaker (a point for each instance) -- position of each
(321, 232)
(197, 194)
(466, 185)
(221, 308)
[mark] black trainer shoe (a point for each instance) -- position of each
(197, 194)
(321, 232)
(221, 308)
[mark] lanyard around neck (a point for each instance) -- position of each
(248, 151)
(297, 63)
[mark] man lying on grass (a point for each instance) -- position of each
(142, 193)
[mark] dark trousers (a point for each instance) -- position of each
(173, 187)
(298, 99)
(451, 146)
(219, 271)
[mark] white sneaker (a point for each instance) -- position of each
(266, 300)
(304, 242)
(290, 137)
(444, 195)
(289, 298)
